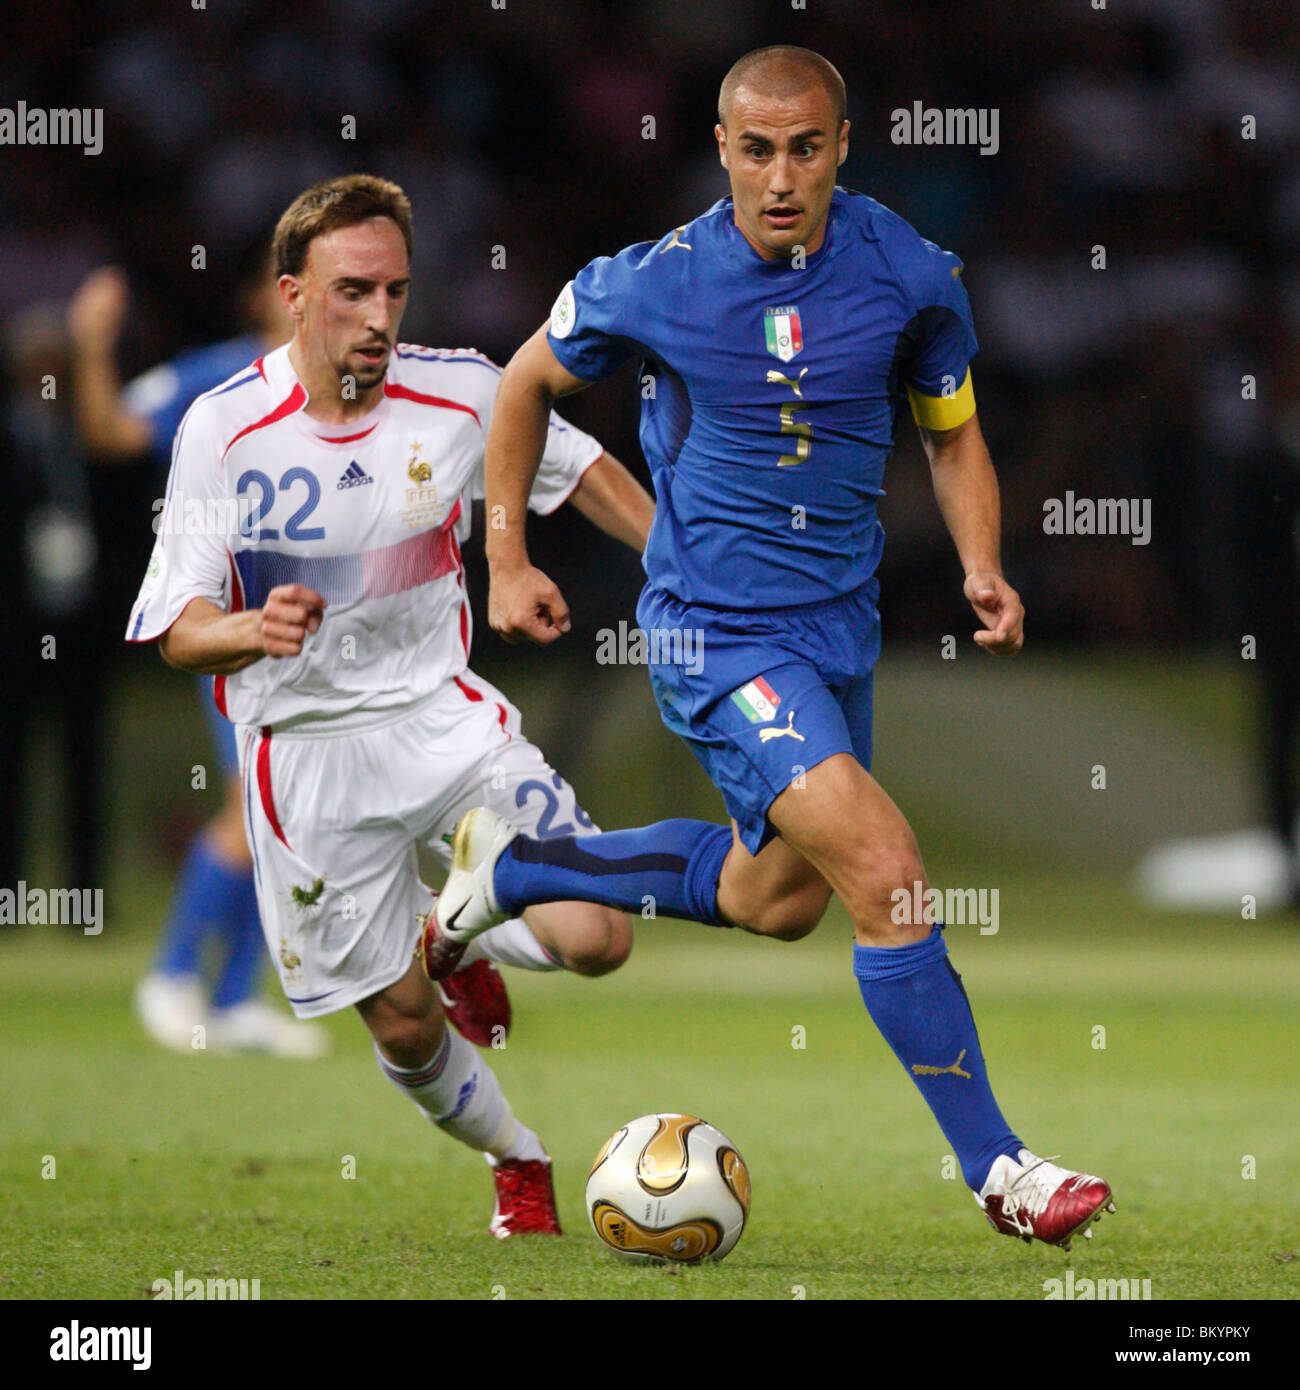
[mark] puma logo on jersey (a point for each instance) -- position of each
(775, 378)
(920, 1069)
(685, 245)
(354, 476)
(765, 735)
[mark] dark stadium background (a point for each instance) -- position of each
(522, 128)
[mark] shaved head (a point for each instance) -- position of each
(781, 73)
(781, 137)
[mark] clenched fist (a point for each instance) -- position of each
(290, 612)
(525, 604)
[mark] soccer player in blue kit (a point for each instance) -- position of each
(783, 331)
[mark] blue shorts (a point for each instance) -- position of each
(762, 697)
(223, 731)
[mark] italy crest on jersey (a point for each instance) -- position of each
(784, 332)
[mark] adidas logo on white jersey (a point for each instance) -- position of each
(354, 476)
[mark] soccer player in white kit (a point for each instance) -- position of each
(309, 557)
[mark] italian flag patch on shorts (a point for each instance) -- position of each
(757, 701)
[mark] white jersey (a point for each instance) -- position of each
(369, 514)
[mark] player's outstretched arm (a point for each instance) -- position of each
(966, 488)
(611, 498)
(209, 641)
(522, 602)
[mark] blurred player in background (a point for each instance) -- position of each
(1258, 863)
(333, 613)
(52, 621)
(783, 331)
(214, 910)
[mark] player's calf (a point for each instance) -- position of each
(405, 1020)
(787, 915)
(775, 892)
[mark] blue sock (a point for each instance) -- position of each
(208, 895)
(675, 862)
(242, 972)
(916, 999)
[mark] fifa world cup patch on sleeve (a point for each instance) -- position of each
(757, 701)
(564, 313)
(153, 575)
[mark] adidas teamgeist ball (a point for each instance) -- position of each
(668, 1187)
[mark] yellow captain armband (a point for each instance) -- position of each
(943, 412)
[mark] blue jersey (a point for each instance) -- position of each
(771, 395)
(162, 395)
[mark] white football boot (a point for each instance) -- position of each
(254, 1026)
(171, 1007)
(467, 904)
(1213, 873)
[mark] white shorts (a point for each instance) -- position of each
(346, 827)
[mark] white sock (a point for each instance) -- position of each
(511, 943)
(526, 1145)
(460, 1093)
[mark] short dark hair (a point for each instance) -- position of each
(331, 204)
(783, 70)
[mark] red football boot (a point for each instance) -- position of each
(439, 954)
(476, 1003)
(525, 1202)
(1036, 1200)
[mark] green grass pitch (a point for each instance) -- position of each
(233, 1167)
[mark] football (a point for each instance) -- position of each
(668, 1188)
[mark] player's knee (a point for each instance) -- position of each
(890, 865)
(602, 945)
(888, 873)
